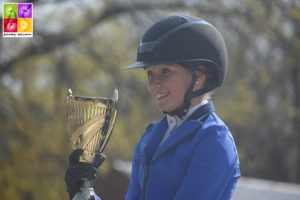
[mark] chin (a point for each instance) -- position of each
(162, 110)
(165, 111)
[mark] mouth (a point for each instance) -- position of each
(161, 95)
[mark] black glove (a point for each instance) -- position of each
(79, 171)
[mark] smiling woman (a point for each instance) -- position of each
(189, 153)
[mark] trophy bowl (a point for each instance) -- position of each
(91, 121)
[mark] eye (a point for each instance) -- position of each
(166, 71)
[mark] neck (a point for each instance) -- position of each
(191, 109)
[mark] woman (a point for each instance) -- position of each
(189, 154)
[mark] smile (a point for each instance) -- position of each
(161, 95)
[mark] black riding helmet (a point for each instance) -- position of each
(187, 41)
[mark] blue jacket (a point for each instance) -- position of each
(197, 162)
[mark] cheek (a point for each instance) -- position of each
(179, 88)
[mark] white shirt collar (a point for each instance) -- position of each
(174, 121)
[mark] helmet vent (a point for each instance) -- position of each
(163, 26)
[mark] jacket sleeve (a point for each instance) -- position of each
(213, 169)
(134, 189)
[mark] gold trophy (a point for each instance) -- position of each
(91, 121)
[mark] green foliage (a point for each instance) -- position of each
(258, 100)
(35, 144)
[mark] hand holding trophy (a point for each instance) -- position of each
(91, 121)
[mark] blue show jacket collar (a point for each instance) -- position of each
(150, 144)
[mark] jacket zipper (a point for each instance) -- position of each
(146, 170)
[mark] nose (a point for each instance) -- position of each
(155, 81)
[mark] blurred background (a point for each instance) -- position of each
(84, 45)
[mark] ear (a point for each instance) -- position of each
(200, 77)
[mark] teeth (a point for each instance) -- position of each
(161, 95)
